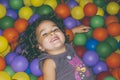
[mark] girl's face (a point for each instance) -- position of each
(50, 38)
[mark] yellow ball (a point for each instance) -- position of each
(84, 2)
(5, 52)
(3, 43)
(112, 8)
(51, 3)
(25, 12)
(4, 76)
(117, 38)
(2, 11)
(37, 3)
(21, 76)
(27, 2)
(77, 12)
(100, 11)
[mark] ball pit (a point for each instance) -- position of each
(104, 14)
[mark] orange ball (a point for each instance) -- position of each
(100, 34)
(113, 61)
(90, 9)
(113, 29)
(69, 34)
(20, 25)
(116, 73)
(110, 19)
(62, 11)
(11, 35)
(40, 78)
(2, 63)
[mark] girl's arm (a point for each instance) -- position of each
(49, 70)
(80, 29)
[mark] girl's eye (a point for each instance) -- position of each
(56, 30)
(45, 34)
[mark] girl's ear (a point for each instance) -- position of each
(41, 48)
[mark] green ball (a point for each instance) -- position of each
(113, 43)
(104, 50)
(109, 78)
(6, 22)
(44, 10)
(16, 4)
(80, 39)
(9, 70)
(99, 3)
(89, 33)
(97, 21)
(32, 77)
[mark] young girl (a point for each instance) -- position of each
(58, 60)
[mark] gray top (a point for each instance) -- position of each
(68, 65)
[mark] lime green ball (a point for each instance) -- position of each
(113, 43)
(9, 70)
(79, 39)
(109, 78)
(97, 21)
(32, 77)
(44, 10)
(16, 4)
(104, 50)
(99, 3)
(89, 33)
(6, 22)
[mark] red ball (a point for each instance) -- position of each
(62, 11)
(90, 9)
(80, 50)
(11, 35)
(100, 34)
(20, 25)
(2, 63)
(86, 21)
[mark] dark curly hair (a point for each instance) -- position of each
(27, 40)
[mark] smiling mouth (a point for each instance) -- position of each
(54, 39)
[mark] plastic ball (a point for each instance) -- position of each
(72, 3)
(113, 43)
(91, 44)
(5, 52)
(34, 67)
(36, 3)
(112, 8)
(33, 18)
(27, 2)
(40, 78)
(89, 33)
(11, 35)
(51, 3)
(44, 10)
(109, 78)
(3, 43)
(99, 3)
(19, 64)
(62, 10)
(80, 50)
(10, 57)
(90, 58)
(100, 11)
(20, 76)
(80, 39)
(1, 32)
(2, 63)
(86, 21)
(113, 29)
(4, 75)
(25, 12)
(69, 34)
(5, 3)
(111, 19)
(32, 77)
(69, 22)
(20, 25)
(116, 73)
(28, 70)
(99, 67)
(6, 22)
(102, 75)
(12, 13)
(113, 61)
(103, 49)
(9, 70)
(2, 11)
(90, 9)
(77, 12)
(16, 4)
(100, 34)
(97, 21)
(84, 2)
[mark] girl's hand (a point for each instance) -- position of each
(80, 29)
